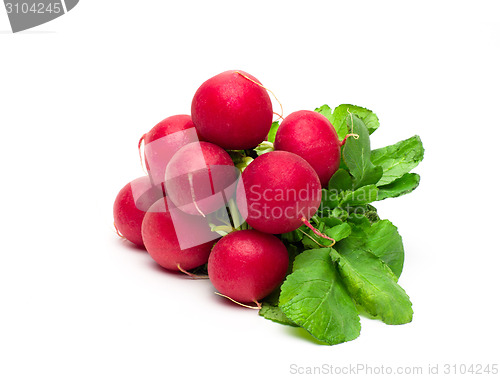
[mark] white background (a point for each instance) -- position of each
(76, 94)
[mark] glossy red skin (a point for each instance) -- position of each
(168, 126)
(129, 212)
(212, 171)
(161, 242)
(247, 265)
(284, 184)
(232, 111)
(159, 154)
(311, 136)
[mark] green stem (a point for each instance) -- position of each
(233, 209)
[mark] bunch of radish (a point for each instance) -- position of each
(190, 167)
(226, 187)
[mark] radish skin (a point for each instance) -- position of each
(131, 205)
(247, 265)
(277, 190)
(165, 230)
(163, 141)
(196, 177)
(232, 111)
(311, 136)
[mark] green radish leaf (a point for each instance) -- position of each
(338, 118)
(293, 252)
(361, 196)
(315, 298)
(339, 232)
(328, 113)
(360, 220)
(363, 216)
(311, 240)
(368, 117)
(329, 199)
(329, 222)
(271, 137)
(373, 285)
(356, 154)
(264, 148)
(292, 236)
(275, 314)
(383, 240)
(403, 185)
(340, 214)
(270, 309)
(341, 180)
(398, 159)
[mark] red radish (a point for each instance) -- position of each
(200, 178)
(278, 191)
(174, 239)
(130, 207)
(163, 141)
(247, 265)
(311, 136)
(232, 110)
